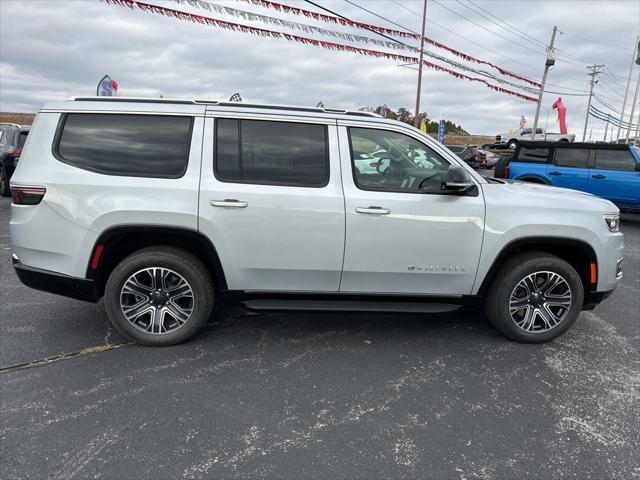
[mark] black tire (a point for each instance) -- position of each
(505, 283)
(512, 144)
(5, 189)
(181, 264)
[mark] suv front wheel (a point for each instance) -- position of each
(159, 296)
(534, 298)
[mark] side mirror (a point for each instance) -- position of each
(458, 181)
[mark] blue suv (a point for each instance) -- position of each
(607, 170)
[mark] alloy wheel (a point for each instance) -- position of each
(157, 300)
(540, 302)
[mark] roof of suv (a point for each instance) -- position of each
(238, 105)
(603, 146)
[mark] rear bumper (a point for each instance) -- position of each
(72, 287)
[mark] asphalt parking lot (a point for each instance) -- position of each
(304, 395)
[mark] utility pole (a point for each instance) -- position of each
(626, 91)
(606, 128)
(595, 70)
(551, 60)
(633, 107)
(635, 140)
(416, 118)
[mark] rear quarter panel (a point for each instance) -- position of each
(59, 233)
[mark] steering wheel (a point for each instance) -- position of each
(379, 163)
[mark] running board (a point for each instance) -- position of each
(349, 306)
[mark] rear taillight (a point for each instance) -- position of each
(15, 152)
(506, 171)
(27, 195)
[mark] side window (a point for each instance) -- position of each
(615, 160)
(526, 131)
(572, 157)
(271, 152)
(538, 131)
(127, 145)
(391, 161)
(2, 136)
(532, 155)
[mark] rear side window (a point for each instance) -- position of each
(273, 153)
(615, 160)
(572, 157)
(532, 155)
(23, 138)
(127, 145)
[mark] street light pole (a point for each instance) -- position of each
(626, 90)
(595, 70)
(416, 118)
(548, 63)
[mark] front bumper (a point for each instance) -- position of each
(47, 281)
(591, 299)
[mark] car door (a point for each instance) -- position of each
(271, 201)
(614, 175)
(569, 168)
(400, 238)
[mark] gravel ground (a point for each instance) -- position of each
(308, 395)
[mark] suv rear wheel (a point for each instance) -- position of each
(534, 298)
(159, 296)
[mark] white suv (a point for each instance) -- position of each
(164, 207)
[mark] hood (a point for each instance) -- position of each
(545, 196)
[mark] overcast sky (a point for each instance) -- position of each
(51, 50)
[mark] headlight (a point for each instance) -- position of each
(613, 222)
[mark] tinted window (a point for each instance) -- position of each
(128, 145)
(401, 163)
(533, 155)
(456, 149)
(278, 153)
(615, 160)
(23, 138)
(572, 157)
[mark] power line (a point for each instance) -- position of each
(485, 28)
(500, 24)
(442, 27)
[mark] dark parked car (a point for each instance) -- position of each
(607, 170)
(12, 138)
(470, 155)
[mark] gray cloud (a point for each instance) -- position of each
(52, 50)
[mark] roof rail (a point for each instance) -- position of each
(11, 124)
(358, 113)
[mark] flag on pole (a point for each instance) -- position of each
(106, 87)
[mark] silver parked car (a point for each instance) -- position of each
(165, 207)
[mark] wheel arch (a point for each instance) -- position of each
(533, 179)
(118, 242)
(577, 253)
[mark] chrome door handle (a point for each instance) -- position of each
(373, 210)
(598, 176)
(229, 203)
(555, 173)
